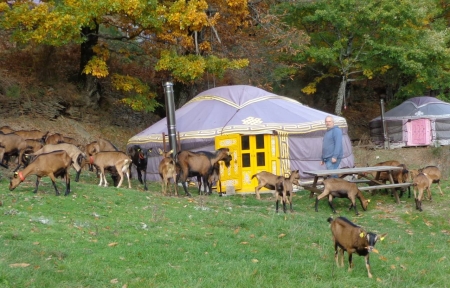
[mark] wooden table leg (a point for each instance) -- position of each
(394, 191)
(316, 178)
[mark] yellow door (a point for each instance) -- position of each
(230, 176)
(251, 154)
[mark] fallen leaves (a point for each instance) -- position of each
(113, 244)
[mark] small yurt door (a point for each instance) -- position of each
(419, 132)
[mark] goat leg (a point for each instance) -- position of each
(145, 180)
(56, 188)
(330, 202)
(139, 175)
(368, 266)
(77, 177)
(67, 184)
(183, 183)
(276, 205)
(38, 179)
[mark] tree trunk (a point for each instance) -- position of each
(91, 86)
(340, 97)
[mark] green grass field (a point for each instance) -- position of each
(109, 237)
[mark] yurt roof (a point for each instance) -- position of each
(418, 107)
(239, 109)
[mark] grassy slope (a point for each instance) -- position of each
(109, 237)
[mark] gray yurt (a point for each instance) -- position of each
(264, 131)
(418, 121)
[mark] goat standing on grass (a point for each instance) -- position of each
(432, 172)
(167, 171)
(350, 237)
(78, 156)
(337, 187)
(284, 189)
(201, 163)
(54, 164)
(421, 182)
(112, 159)
(139, 157)
(269, 180)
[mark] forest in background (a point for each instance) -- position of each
(76, 59)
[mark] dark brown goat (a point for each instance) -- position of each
(350, 237)
(139, 156)
(337, 187)
(54, 164)
(201, 163)
(167, 171)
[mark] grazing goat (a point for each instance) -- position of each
(284, 189)
(421, 182)
(139, 157)
(6, 129)
(108, 159)
(432, 172)
(78, 156)
(167, 171)
(54, 164)
(33, 145)
(336, 187)
(13, 145)
(350, 237)
(32, 134)
(55, 138)
(201, 163)
(269, 180)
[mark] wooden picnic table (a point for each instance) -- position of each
(362, 172)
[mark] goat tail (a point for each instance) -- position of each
(254, 175)
(330, 219)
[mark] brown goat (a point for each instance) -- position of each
(13, 145)
(54, 164)
(421, 182)
(337, 187)
(33, 145)
(284, 189)
(350, 237)
(32, 134)
(112, 159)
(54, 138)
(167, 171)
(6, 129)
(201, 163)
(432, 172)
(268, 180)
(78, 156)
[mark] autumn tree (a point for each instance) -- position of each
(354, 40)
(165, 33)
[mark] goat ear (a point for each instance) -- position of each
(16, 174)
(381, 237)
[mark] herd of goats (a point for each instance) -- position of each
(44, 154)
